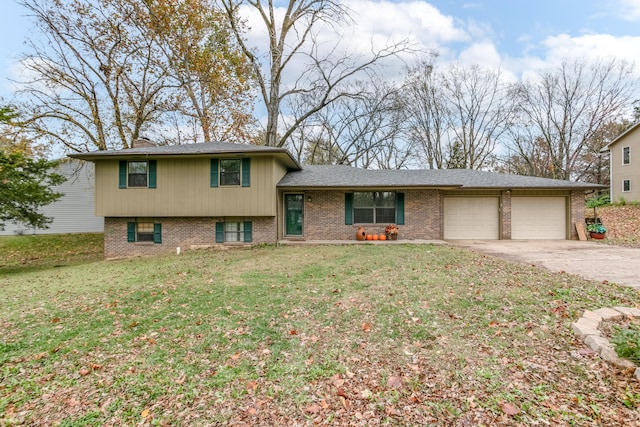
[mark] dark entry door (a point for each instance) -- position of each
(294, 214)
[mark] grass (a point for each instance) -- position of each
(341, 335)
(26, 253)
(626, 341)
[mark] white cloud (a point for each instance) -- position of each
(592, 46)
(630, 10)
(483, 53)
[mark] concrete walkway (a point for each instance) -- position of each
(591, 260)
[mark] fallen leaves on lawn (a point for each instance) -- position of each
(509, 408)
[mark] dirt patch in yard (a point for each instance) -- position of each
(622, 223)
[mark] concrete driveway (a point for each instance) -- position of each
(588, 259)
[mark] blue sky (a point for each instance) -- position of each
(515, 35)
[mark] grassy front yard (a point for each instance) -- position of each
(328, 335)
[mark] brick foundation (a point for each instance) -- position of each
(176, 232)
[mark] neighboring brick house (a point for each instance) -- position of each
(157, 198)
(624, 165)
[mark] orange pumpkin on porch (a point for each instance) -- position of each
(383, 237)
(374, 237)
(369, 237)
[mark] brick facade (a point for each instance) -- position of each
(505, 202)
(424, 216)
(577, 211)
(324, 216)
(324, 219)
(177, 232)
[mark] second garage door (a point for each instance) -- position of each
(538, 218)
(471, 218)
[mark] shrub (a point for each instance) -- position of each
(596, 202)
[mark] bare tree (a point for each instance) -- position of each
(426, 114)
(293, 38)
(479, 113)
(565, 109)
(111, 70)
(94, 81)
(457, 116)
(366, 130)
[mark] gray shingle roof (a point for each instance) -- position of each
(350, 177)
(340, 176)
(189, 150)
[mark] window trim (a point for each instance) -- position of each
(133, 232)
(131, 175)
(215, 173)
(123, 174)
(626, 183)
(398, 208)
(221, 231)
(223, 173)
(626, 159)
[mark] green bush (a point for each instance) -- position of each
(596, 202)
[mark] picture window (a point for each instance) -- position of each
(377, 207)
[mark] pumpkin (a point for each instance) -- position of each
(383, 237)
(375, 237)
(369, 237)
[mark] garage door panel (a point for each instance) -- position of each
(471, 218)
(538, 218)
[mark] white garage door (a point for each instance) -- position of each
(471, 218)
(538, 218)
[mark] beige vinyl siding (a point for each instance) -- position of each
(183, 189)
(631, 171)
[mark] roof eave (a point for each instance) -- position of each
(283, 154)
(619, 137)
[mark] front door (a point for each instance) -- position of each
(294, 214)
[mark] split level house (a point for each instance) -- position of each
(158, 198)
(624, 165)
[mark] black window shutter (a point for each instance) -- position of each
(400, 208)
(219, 232)
(122, 174)
(348, 208)
(153, 168)
(248, 232)
(157, 233)
(131, 232)
(246, 172)
(213, 180)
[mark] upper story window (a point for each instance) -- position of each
(137, 174)
(230, 172)
(626, 155)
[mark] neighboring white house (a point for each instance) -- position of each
(74, 211)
